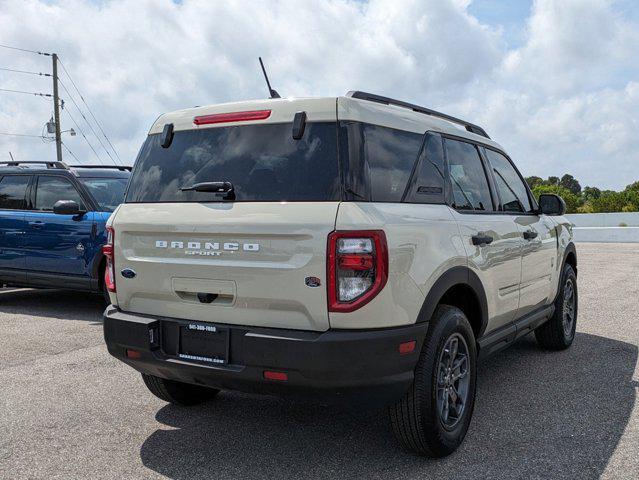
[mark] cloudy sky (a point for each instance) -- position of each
(556, 82)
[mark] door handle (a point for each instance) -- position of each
(482, 239)
(530, 234)
(36, 224)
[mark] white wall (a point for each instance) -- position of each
(604, 219)
(604, 227)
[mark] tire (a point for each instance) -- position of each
(418, 418)
(178, 393)
(558, 333)
(102, 283)
(105, 295)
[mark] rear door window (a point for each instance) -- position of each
(13, 189)
(263, 162)
(51, 189)
(468, 177)
(511, 188)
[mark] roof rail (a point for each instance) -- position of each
(123, 168)
(371, 97)
(62, 165)
(53, 164)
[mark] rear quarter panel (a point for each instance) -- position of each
(423, 243)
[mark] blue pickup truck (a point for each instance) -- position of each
(52, 223)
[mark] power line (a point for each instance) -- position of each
(25, 50)
(84, 136)
(87, 122)
(89, 109)
(20, 135)
(26, 93)
(24, 71)
(70, 152)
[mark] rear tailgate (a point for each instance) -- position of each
(250, 260)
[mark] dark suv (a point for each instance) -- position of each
(52, 223)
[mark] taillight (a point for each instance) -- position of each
(232, 117)
(107, 251)
(357, 268)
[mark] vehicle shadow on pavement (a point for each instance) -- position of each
(60, 304)
(538, 414)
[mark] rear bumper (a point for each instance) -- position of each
(361, 367)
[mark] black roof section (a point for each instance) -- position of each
(371, 97)
(100, 170)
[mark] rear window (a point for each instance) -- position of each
(108, 192)
(263, 162)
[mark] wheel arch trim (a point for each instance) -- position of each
(570, 249)
(455, 276)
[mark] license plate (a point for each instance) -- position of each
(203, 343)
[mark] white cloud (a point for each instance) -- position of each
(565, 101)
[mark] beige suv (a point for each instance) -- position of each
(352, 249)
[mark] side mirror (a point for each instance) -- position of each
(67, 207)
(551, 204)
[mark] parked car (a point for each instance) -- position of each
(52, 223)
(356, 248)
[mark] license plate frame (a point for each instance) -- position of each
(204, 343)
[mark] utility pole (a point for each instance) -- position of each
(56, 108)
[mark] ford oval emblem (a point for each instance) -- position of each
(312, 282)
(128, 273)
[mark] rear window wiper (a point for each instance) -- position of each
(225, 189)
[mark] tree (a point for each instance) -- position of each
(609, 201)
(590, 193)
(552, 181)
(534, 181)
(569, 182)
(634, 187)
(632, 200)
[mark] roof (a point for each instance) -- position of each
(355, 106)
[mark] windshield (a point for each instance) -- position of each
(108, 192)
(263, 162)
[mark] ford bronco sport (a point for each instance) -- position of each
(52, 223)
(357, 249)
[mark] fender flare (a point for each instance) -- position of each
(455, 276)
(95, 270)
(570, 248)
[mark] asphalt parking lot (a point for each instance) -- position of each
(68, 410)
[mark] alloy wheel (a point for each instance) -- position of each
(569, 304)
(453, 380)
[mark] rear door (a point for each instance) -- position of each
(492, 240)
(13, 189)
(539, 244)
(57, 244)
(257, 260)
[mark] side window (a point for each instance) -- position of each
(13, 189)
(427, 185)
(467, 177)
(511, 188)
(390, 155)
(52, 189)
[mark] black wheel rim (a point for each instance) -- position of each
(453, 380)
(569, 307)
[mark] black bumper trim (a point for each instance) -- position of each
(336, 366)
